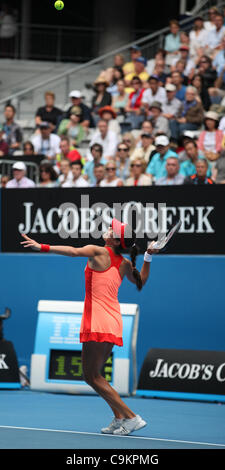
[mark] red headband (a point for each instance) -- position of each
(119, 229)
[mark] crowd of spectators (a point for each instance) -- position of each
(152, 121)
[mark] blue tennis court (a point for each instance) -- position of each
(38, 420)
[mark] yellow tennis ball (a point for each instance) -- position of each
(59, 5)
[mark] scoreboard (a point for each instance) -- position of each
(56, 364)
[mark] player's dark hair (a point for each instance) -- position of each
(132, 247)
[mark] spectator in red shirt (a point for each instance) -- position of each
(4, 148)
(135, 115)
(67, 151)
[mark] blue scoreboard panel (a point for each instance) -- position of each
(56, 364)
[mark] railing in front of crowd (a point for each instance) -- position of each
(63, 82)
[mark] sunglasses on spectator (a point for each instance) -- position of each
(120, 149)
(127, 140)
(111, 168)
(138, 165)
(203, 62)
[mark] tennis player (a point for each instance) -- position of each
(101, 324)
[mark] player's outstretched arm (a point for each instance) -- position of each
(88, 251)
(145, 270)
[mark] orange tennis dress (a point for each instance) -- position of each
(101, 319)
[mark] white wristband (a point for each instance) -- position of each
(147, 257)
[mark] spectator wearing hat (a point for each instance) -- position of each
(138, 176)
(157, 166)
(108, 114)
(76, 100)
(172, 173)
(134, 112)
(146, 147)
(200, 177)
(171, 108)
(188, 167)
(77, 181)
(177, 80)
(135, 52)
(106, 138)
(101, 98)
(197, 38)
(183, 55)
(48, 113)
(72, 127)
(155, 92)
(210, 141)
(96, 152)
(191, 115)
(139, 71)
(13, 132)
(159, 122)
(4, 148)
(46, 143)
(19, 179)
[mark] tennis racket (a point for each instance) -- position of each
(162, 244)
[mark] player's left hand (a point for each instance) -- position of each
(151, 250)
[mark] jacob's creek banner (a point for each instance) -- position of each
(183, 372)
(79, 216)
(9, 371)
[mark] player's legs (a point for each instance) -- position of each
(94, 355)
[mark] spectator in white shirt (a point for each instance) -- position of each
(19, 179)
(108, 114)
(78, 180)
(46, 143)
(210, 24)
(197, 37)
(172, 106)
(184, 56)
(215, 36)
(154, 93)
(108, 139)
(65, 172)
